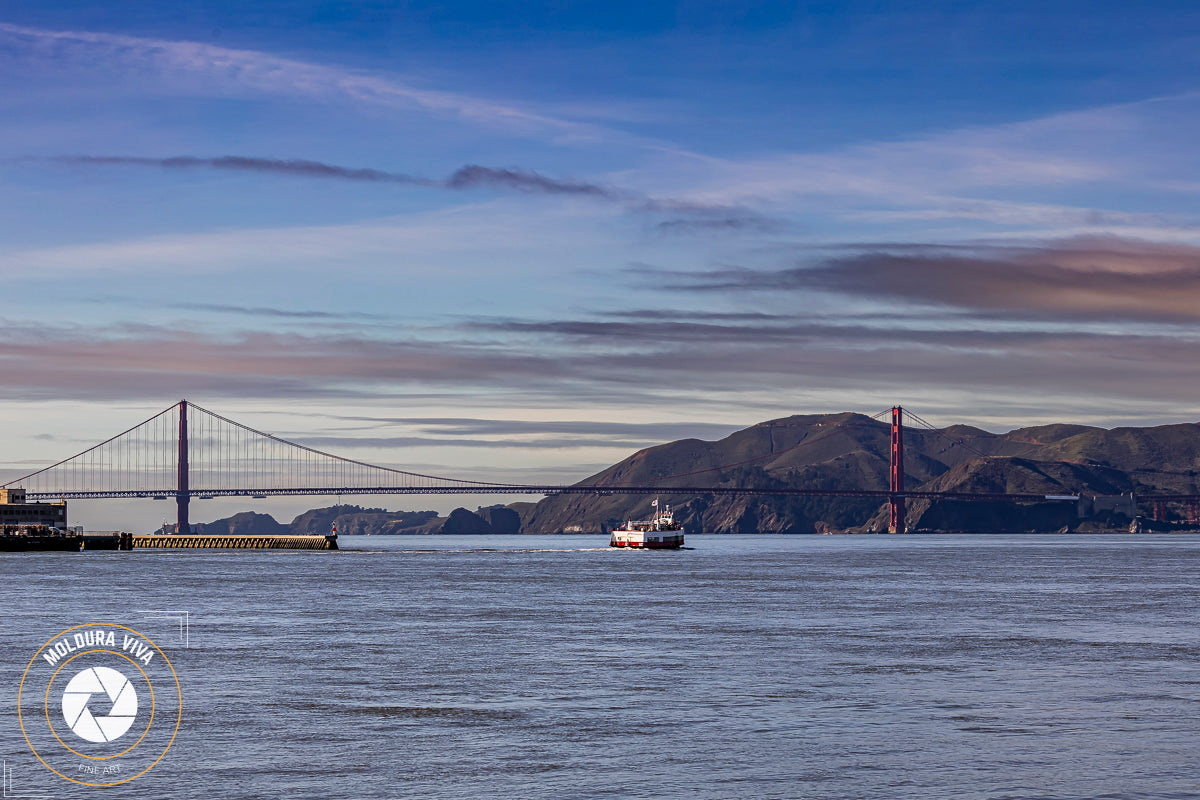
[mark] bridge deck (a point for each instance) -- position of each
(317, 491)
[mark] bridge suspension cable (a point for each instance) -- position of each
(209, 454)
(941, 432)
(142, 459)
(233, 455)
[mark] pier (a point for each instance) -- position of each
(116, 540)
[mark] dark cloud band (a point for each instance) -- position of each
(470, 176)
(622, 362)
(1092, 277)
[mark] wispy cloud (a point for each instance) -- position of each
(682, 314)
(675, 215)
(258, 312)
(471, 176)
(392, 442)
(1067, 172)
(472, 426)
(270, 166)
(454, 238)
(1040, 152)
(685, 217)
(262, 72)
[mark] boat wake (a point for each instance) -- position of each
(424, 551)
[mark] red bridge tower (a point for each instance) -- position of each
(896, 501)
(183, 494)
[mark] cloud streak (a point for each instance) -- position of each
(455, 239)
(471, 426)
(258, 312)
(262, 72)
(269, 166)
(133, 361)
(1042, 175)
(394, 442)
(1087, 277)
(679, 216)
(470, 176)
(474, 176)
(651, 364)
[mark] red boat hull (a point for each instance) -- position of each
(668, 542)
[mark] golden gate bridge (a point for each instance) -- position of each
(187, 452)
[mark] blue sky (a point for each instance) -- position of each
(583, 228)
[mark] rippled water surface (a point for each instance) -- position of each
(746, 667)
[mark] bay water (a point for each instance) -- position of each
(748, 666)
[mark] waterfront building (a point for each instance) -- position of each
(16, 510)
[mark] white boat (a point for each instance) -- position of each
(660, 532)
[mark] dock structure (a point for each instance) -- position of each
(235, 542)
(105, 540)
(43, 526)
(38, 540)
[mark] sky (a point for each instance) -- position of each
(519, 241)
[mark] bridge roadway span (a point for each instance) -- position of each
(735, 491)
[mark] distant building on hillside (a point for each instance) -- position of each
(1123, 504)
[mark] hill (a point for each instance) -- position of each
(847, 451)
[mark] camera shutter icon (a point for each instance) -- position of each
(96, 688)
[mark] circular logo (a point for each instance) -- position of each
(99, 704)
(105, 682)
